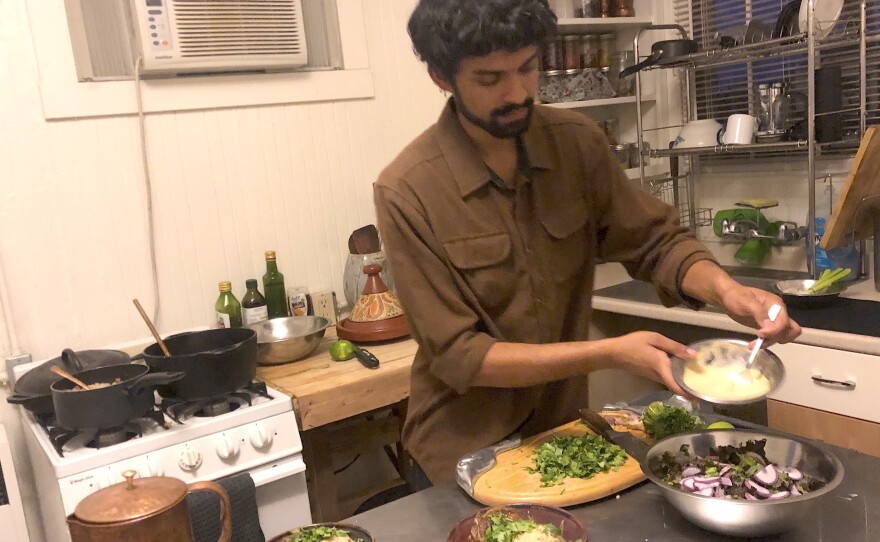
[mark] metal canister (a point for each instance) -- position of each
(624, 8)
(621, 152)
(552, 57)
(635, 157)
(571, 52)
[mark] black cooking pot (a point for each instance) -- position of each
(33, 389)
(662, 53)
(126, 394)
(216, 362)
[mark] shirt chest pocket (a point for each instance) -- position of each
(486, 265)
(569, 240)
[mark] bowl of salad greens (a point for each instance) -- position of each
(742, 483)
(325, 532)
(519, 523)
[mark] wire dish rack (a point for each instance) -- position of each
(674, 191)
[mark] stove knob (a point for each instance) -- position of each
(260, 438)
(190, 459)
(151, 468)
(226, 447)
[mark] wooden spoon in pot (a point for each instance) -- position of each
(64, 374)
(152, 327)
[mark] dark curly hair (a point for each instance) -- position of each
(444, 32)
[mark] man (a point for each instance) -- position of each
(493, 220)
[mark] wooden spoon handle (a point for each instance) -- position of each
(64, 374)
(152, 327)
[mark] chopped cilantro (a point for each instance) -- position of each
(662, 420)
(575, 457)
(316, 534)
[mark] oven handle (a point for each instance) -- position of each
(288, 466)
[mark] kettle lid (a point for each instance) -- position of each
(131, 499)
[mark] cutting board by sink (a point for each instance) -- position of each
(509, 482)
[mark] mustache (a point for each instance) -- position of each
(510, 108)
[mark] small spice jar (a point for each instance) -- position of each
(590, 51)
(586, 8)
(552, 55)
(571, 52)
(607, 48)
(606, 8)
(623, 86)
(621, 152)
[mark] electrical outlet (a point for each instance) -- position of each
(324, 304)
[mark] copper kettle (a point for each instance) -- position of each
(143, 510)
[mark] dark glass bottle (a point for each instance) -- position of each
(253, 304)
(273, 285)
(227, 307)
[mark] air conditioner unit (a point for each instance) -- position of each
(197, 36)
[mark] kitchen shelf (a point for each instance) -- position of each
(601, 24)
(622, 100)
(758, 149)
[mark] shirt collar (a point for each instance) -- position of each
(468, 169)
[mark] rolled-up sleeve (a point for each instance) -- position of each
(644, 233)
(441, 318)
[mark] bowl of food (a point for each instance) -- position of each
(796, 293)
(283, 340)
(326, 532)
(718, 373)
(519, 523)
(742, 483)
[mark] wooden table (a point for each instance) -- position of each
(332, 401)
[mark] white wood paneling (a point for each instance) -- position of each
(227, 185)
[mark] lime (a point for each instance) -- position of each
(720, 425)
(341, 350)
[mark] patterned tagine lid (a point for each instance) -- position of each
(377, 314)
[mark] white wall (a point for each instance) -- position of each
(227, 184)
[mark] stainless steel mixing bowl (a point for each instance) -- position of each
(283, 340)
(767, 363)
(742, 517)
(791, 291)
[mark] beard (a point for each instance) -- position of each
(495, 126)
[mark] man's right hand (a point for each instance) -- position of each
(646, 353)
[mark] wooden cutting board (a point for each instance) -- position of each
(509, 482)
(850, 215)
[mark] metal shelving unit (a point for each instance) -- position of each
(850, 32)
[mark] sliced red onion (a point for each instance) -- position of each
(724, 470)
(757, 457)
(708, 492)
(718, 493)
(793, 473)
(706, 485)
(706, 479)
(762, 491)
(794, 490)
(767, 476)
(779, 495)
(750, 497)
(690, 471)
(726, 481)
(687, 484)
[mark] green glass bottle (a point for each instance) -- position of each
(254, 307)
(227, 308)
(273, 285)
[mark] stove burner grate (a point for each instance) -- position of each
(207, 407)
(104, 437)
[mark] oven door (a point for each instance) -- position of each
(282, 496)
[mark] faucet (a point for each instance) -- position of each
(787, 232)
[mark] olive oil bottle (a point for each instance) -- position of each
(254, 307)
(273, 285)
(227, 308)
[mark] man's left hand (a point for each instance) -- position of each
(749, 307)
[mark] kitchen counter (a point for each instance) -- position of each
(617, 293)
(850, 513)
(326, 391)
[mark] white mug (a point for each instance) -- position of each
(740, 129)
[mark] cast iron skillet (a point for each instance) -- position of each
(33, 389)
(109, 406)
(663, 52)
(216, 362)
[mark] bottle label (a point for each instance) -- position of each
(298, 304)
(223, 320)
(255, 314)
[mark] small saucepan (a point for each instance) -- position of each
(663, 53)
(125, 392)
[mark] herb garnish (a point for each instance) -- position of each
(575, 457)
(662, 420)
(316, 534)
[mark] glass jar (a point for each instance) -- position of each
(621, 152)
(625, 86)
(552, 57)
(590, 51)
(586, 8)
(571, 52)
(609, 126)
(624, 8)
(606, 8)
(607, 48)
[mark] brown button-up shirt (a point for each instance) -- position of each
(476, 262)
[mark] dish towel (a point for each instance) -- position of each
(204, 511)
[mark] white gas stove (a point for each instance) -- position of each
(256, 432)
